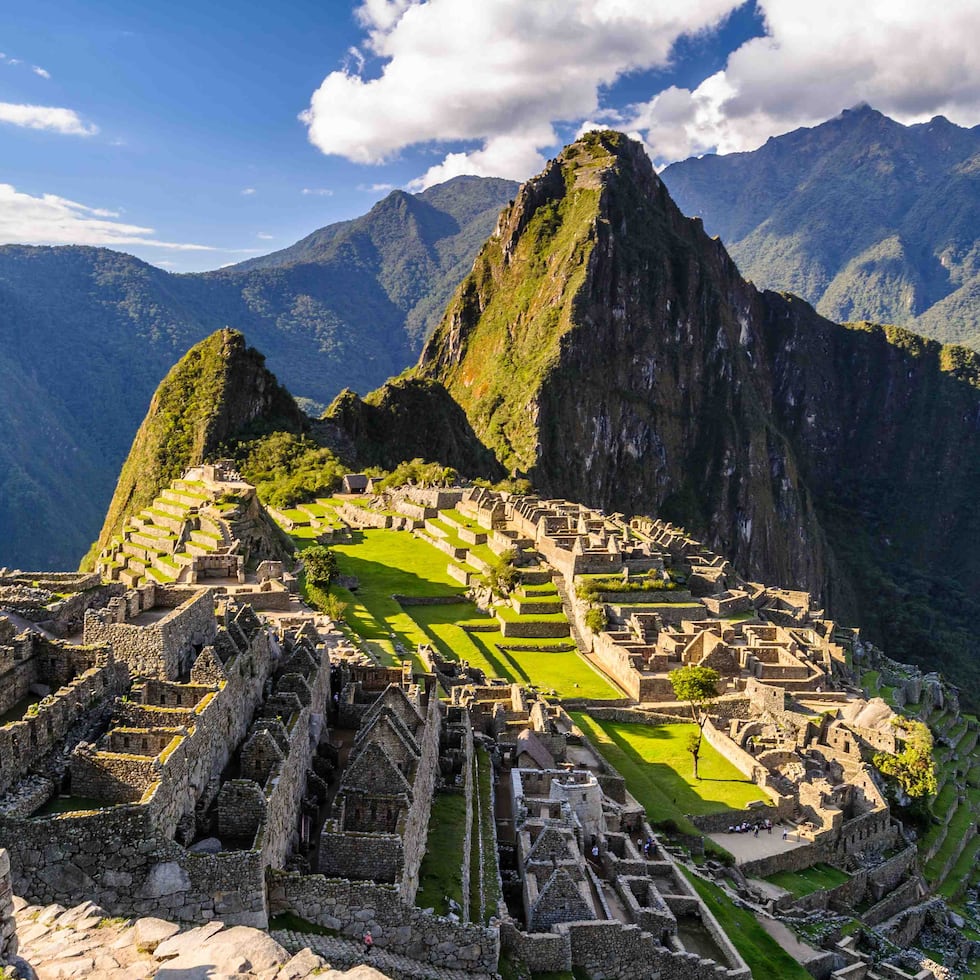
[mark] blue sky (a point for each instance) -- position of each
(132, 124)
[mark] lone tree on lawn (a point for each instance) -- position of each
(697, 686)
(320, 564)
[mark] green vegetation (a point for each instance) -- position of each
(523, 308)
(590, 587)
(655, 762)
(320, 565)
(287, 469)
(483, 859)
(420, 473)
(800, 883)
(596, 619)
(763, 955)
(502, 576)
(914, 767)
(441, 873)
(202, 403)
(387, 563)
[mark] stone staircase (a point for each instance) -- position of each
(347, 953)
(160, 542)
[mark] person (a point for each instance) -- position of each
(368, 943)
(784, 833)
(595, 852)
(768, 826)
(755, 831)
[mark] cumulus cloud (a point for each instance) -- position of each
(499, 73)
(38, 70)
(909, 59)
(53, 220)
(51, 118)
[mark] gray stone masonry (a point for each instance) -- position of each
(8, 924)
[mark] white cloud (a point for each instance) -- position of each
(38, 70)
(375, 188)
(248, 191)
(264, 236)
(319, 191)
(46, 117)
(53, 220)
(909, 59)
(498, 72)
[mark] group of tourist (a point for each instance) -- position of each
(752, 828)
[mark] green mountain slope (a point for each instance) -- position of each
(218, 391)
(610, 349)
(86, 334)
(863, 217)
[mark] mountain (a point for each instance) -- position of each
(865, 218)
(607, 347)
(86, 334)
(219, 391)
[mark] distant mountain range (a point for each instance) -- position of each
(87, 333)
(863, 217)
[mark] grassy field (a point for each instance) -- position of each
(441, 873)
(387, 563)
(657, 767)
(813, 879)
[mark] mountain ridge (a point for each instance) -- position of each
(837, 459)
(862, 216)
(88, 332)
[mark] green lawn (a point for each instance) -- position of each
(762, 954)
(657, 767)
(441, 873)
(800, 883)
(387, 563)
(558, 669)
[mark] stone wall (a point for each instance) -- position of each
(125, 857)
(541, 952)
(897, 899)
(23, 743)
(423, 789)
(361, 856)
(161, 648)
(625, 952)
(8, 924)
(353, 907)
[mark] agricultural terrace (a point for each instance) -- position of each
(388, 563)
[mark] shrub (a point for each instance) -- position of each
(596, 619)
(320, 564)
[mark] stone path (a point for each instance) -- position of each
(349, 952)
(788, 939)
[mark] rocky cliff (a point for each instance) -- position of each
(610, 349)
(218, 391)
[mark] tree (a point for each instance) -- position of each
(502, 576)
(698, 687)
(320, 564)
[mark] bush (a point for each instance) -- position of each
(287, 469)
(420, 473)
(503, 576)
(320, 564)
(596, 619)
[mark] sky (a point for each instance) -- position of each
(195, 135)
